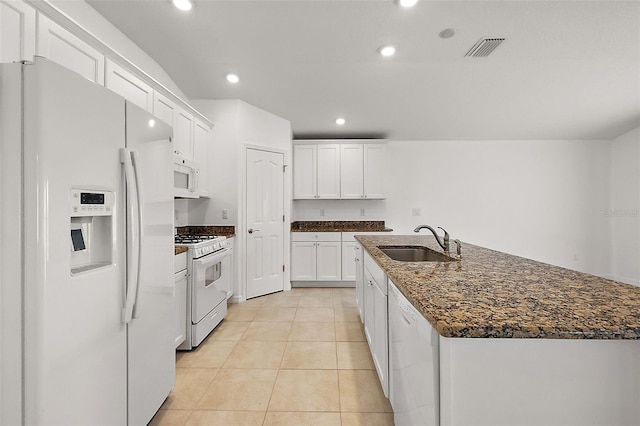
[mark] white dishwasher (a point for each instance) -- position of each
(414, 379)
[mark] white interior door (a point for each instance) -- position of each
(265, 222)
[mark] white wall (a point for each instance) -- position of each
(623, 212)
(88, 18)
(538, 199)
(340, 210)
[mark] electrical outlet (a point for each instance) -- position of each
(362, 211)
(225, 213)
(321, 212)
(416, 211)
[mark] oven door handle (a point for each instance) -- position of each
(212, 258)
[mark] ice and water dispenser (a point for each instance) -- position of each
(92, 239)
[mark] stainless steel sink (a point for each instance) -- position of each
(415, 254)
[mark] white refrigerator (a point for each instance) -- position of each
(86, 252)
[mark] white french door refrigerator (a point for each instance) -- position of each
(87, 252)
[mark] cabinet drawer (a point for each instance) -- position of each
(316, 236)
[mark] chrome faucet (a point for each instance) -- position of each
(458, 247)
(444, 243)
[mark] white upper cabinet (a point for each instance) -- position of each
(338, 170)
(127, 85)
(183, 128)
(17, 31)
(61, 46)
(202, 140)
(374, 172)
(328, 168)
(163, 108)
(316, 171)
(362, 168)
(183, 124)
(305, 174)
(351, 171)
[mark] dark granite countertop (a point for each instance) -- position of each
(492, 294)
(223, 230)
(339, 226)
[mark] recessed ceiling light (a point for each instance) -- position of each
(232, 78)
(152, 122)
(447, 33)
(387, 50)
(407, 3)
(340, 121)
(183, 4)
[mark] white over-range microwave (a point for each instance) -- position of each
(185, 178)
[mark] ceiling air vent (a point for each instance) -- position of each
(484, 47)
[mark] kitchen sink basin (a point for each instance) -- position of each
(415, 254)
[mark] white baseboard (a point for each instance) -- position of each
(327, 284)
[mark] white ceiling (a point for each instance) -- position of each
(568, 69)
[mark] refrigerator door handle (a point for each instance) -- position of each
(139, 195)
(133, 242)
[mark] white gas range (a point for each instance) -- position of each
(209, 284)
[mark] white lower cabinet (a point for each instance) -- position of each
(180, 298)
(349, 260)
(359, 272)
(375, 319)
(316, 256)
(328, 261)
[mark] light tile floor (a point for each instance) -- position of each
(293, 358)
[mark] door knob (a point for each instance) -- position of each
(251, 230)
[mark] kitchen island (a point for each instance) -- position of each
(519, 341)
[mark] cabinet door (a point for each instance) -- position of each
(303, 261)
(379, 350)
(17, 31)
(202, 136)
(369, 323)
(183, 126)
(63, 47)
(127, 85)
(329, 261)
(180, 307)
(163, 108)
(328, 175)
(374, 170)
(351, 172)
(348, 261)
(304, 172)
(359, 280)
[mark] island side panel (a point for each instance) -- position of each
(539, 381)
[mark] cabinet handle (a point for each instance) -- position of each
(251, 231)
